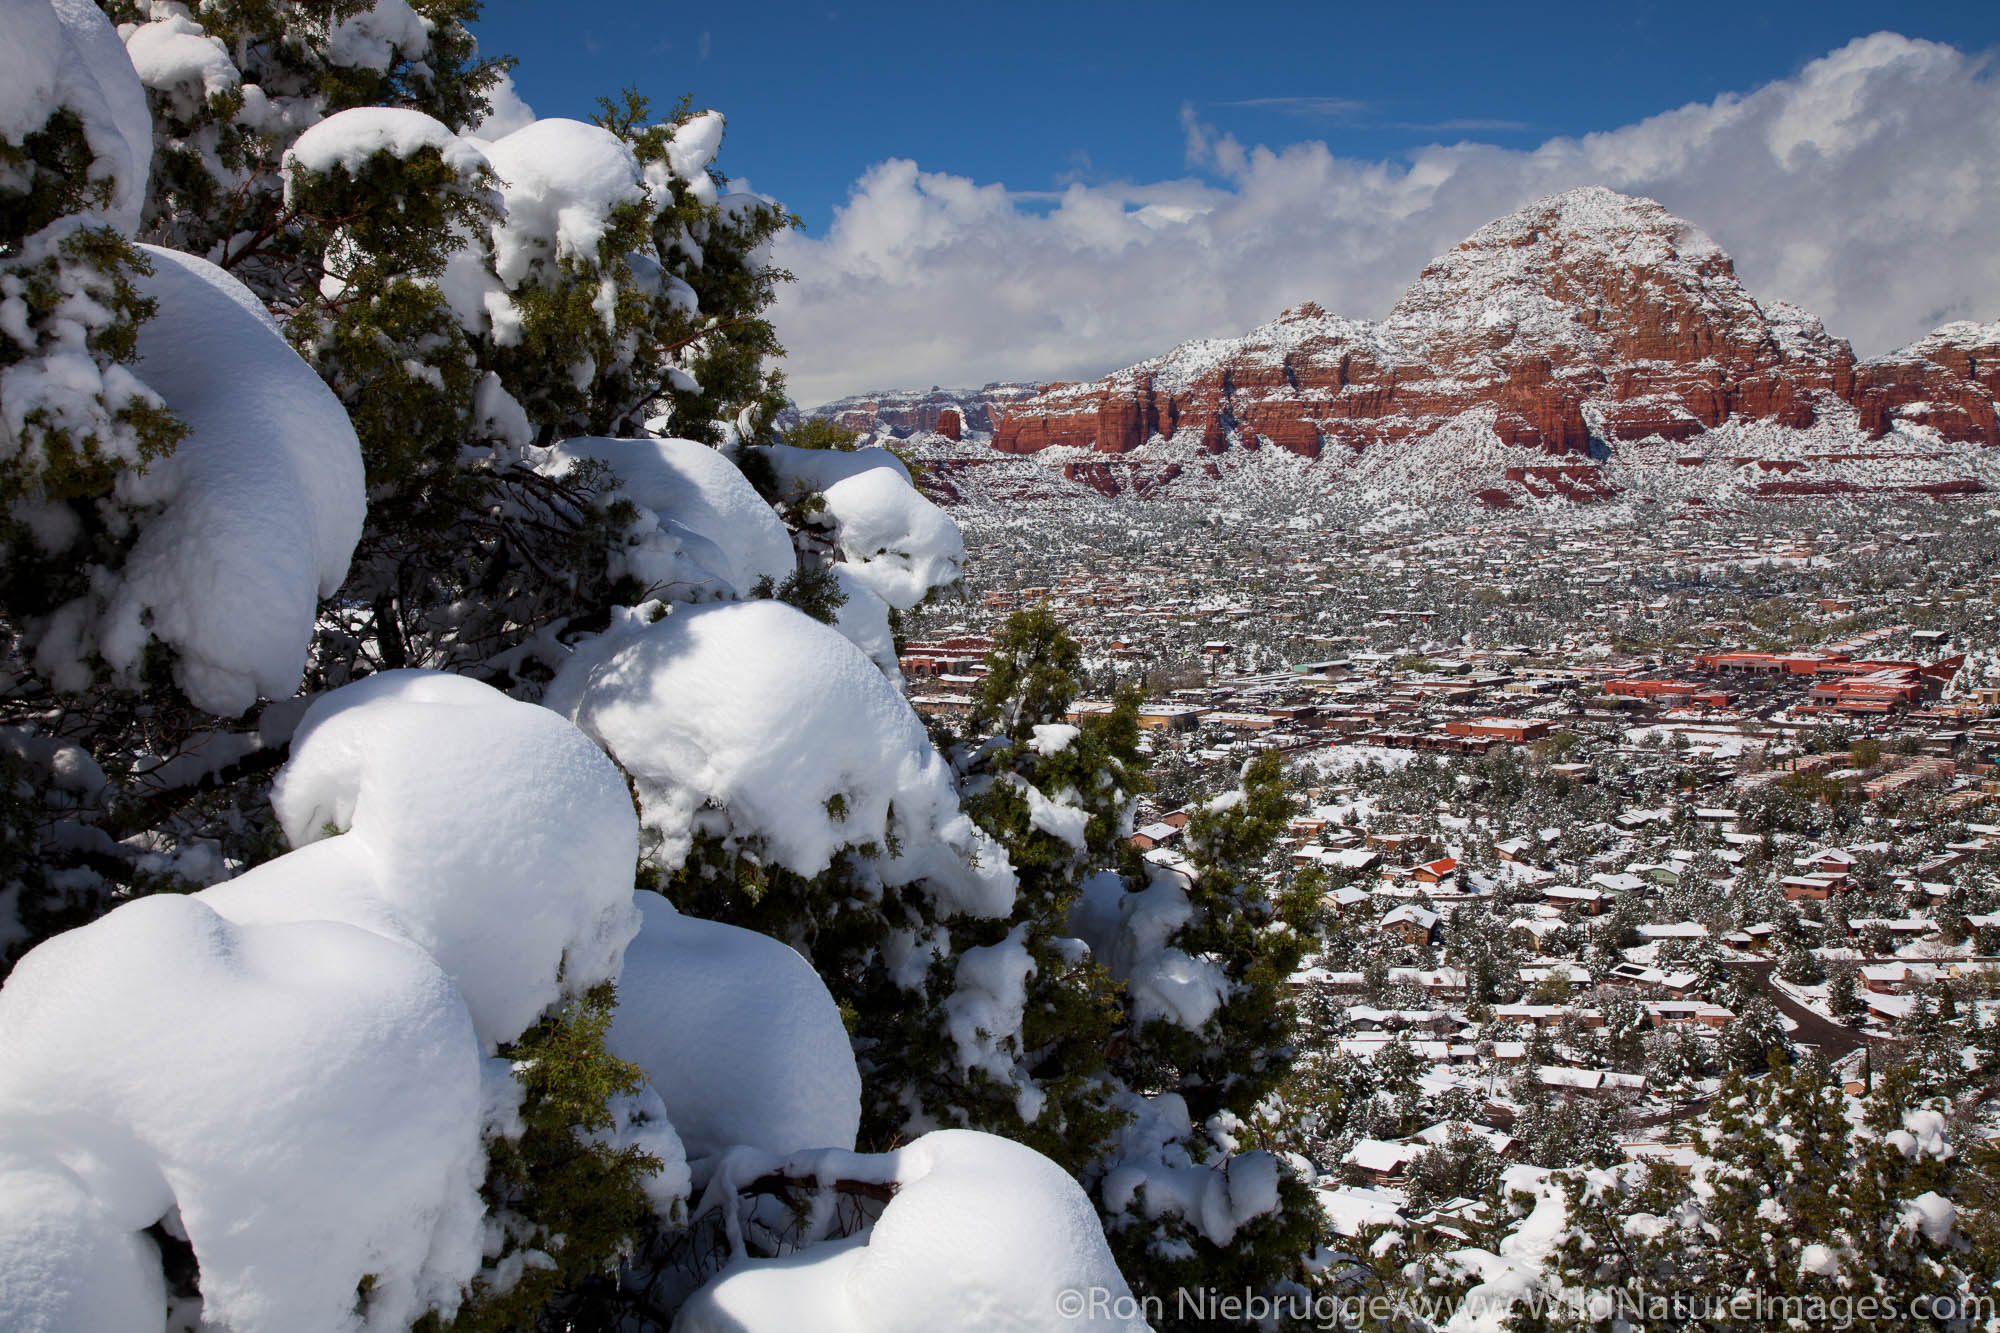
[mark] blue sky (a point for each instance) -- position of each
(994, 164)
(1037, 95)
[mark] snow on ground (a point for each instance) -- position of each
(1716, 742)
(1338, 759)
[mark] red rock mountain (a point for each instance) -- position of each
(1587, 323)
(908, 411)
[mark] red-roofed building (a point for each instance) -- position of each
(1435, 872)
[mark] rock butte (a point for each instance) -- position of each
(1585, 321)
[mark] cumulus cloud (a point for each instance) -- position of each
(506, 111)
(1864, 189)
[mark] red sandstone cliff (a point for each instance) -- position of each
(1584, 321)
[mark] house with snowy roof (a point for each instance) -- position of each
(1435, 872)
(1412, 923)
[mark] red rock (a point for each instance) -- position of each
(1586, 321)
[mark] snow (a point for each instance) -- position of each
(347, 139)
(373, 38)
(897, 542)
(982, 1233)
(737, 1034)
(176, 55)
(984, 1011)
(748, 718)
(1933, 1215)
(306, 1095)
(490, 833)
(1156, 1173)
(66, 1266)
(29, 59)
(1058, 818)
(1128, 933)
(694, 145)
(260, 506)
(1923, 1134)
(1052, 737)
(94, 78)
(291, 1067)
(704, 533)
(561, 180)
(863, 619)
(1513, 1274)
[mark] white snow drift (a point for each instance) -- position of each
(738, 1034)
(258, 509)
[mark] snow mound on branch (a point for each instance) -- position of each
(895, 541)
(863, 619)
(982, 1233)
(65, 1264)
(259, 507)
(984, 1012)
(306, 1098)
(349, 138)
(29, 59)
(1156, 1172)
(738, 1035)
(1128, 933)
(373, 38)
(175, 55)
(705, 533)
(485, 831)
(287, 1068)
(84, 68)
(748, 719)
(561, 180)
(694, 145)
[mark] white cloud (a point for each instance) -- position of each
(506, 113)
(1865, 189)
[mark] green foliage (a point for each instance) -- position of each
(47, 176)
(819, 433)
(1242, 1052)
(1794, 1207)
(72, 287)
(811, 589)
(1031, 675)
(568, 1200)
(217, 187)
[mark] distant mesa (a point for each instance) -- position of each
(949, 412)
(1586, 345)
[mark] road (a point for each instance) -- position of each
(1832, 1039)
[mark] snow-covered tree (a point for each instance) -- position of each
(375, 1074)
